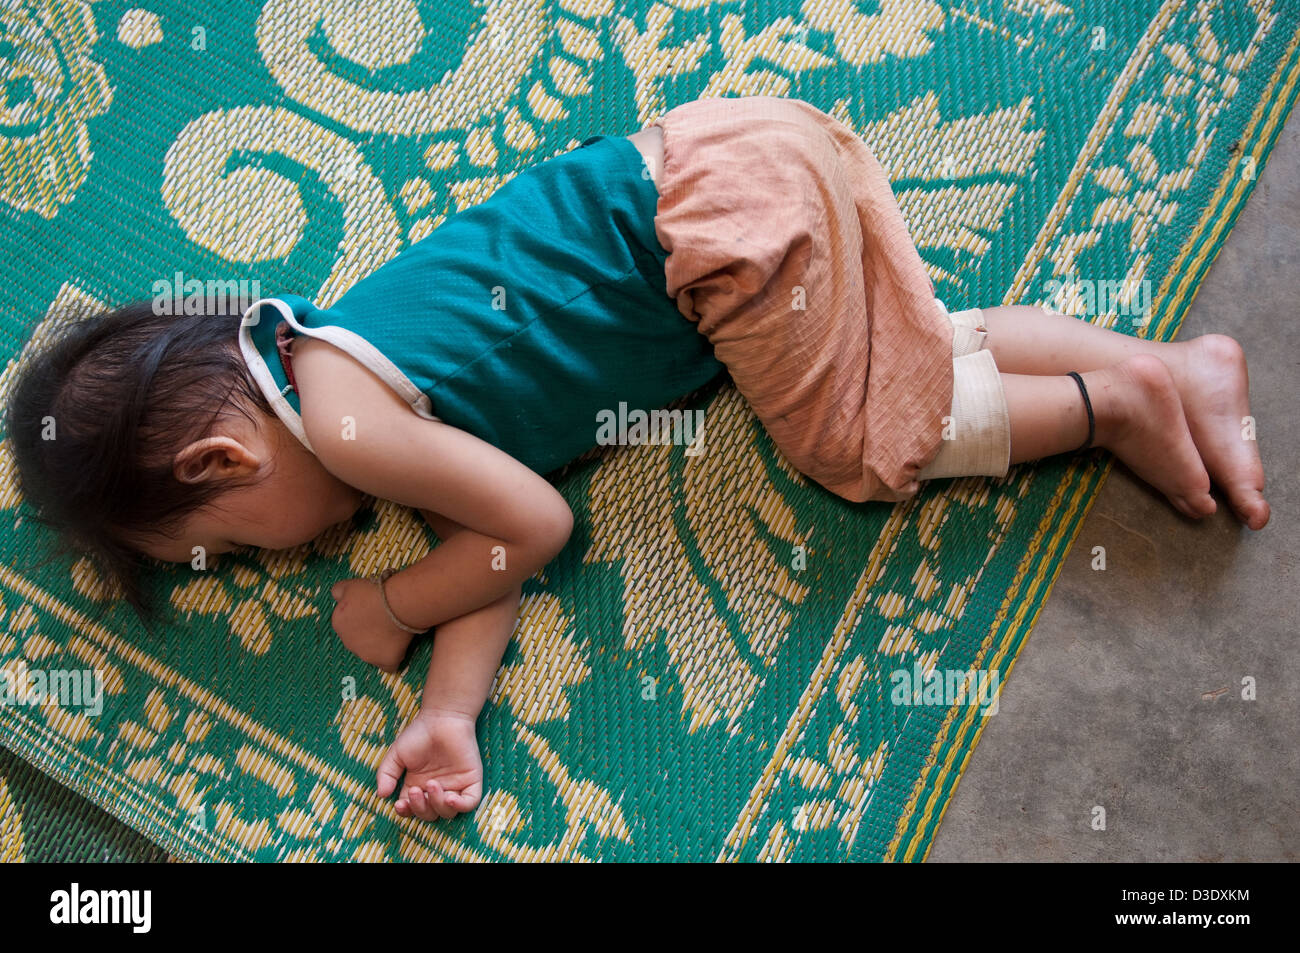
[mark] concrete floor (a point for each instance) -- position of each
(1115, 700)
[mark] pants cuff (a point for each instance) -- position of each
(977, 438)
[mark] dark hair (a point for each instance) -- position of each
(124, 391)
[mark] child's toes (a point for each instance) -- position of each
(1251, 507)
(1202, 505)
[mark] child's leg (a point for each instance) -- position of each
(1026, 340)
(1139, 418)
(1209, 373)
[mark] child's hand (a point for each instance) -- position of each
(438, 751)
(363, 625)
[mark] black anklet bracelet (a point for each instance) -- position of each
(1092, 421)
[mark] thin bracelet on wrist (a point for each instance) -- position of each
(380, 578)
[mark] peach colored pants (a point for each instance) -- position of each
(787, 248)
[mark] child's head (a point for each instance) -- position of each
(142, 434)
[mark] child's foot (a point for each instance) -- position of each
(1140, 420)
(1211, 374)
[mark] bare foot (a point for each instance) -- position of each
(1140, 420)
(1211, 374)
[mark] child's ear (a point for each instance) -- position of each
(213, 458)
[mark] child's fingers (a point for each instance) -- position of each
(470, 797)
(402, 808)
(340, 588)
(430, 808)
(459, 802)
(462, 801)
(439, 799)
(390, 772)
(419, 804)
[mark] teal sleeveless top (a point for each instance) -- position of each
(517, 319)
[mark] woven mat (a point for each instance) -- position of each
(40, 820)
(712, 668)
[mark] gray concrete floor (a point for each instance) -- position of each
(1115, 700)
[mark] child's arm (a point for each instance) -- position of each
(438, 751)
(467, 651)
(369, 437)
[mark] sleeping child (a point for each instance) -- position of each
(754, 236)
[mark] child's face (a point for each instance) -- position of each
(292, 500)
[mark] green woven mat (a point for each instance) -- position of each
(709, 669)
(40, 820)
